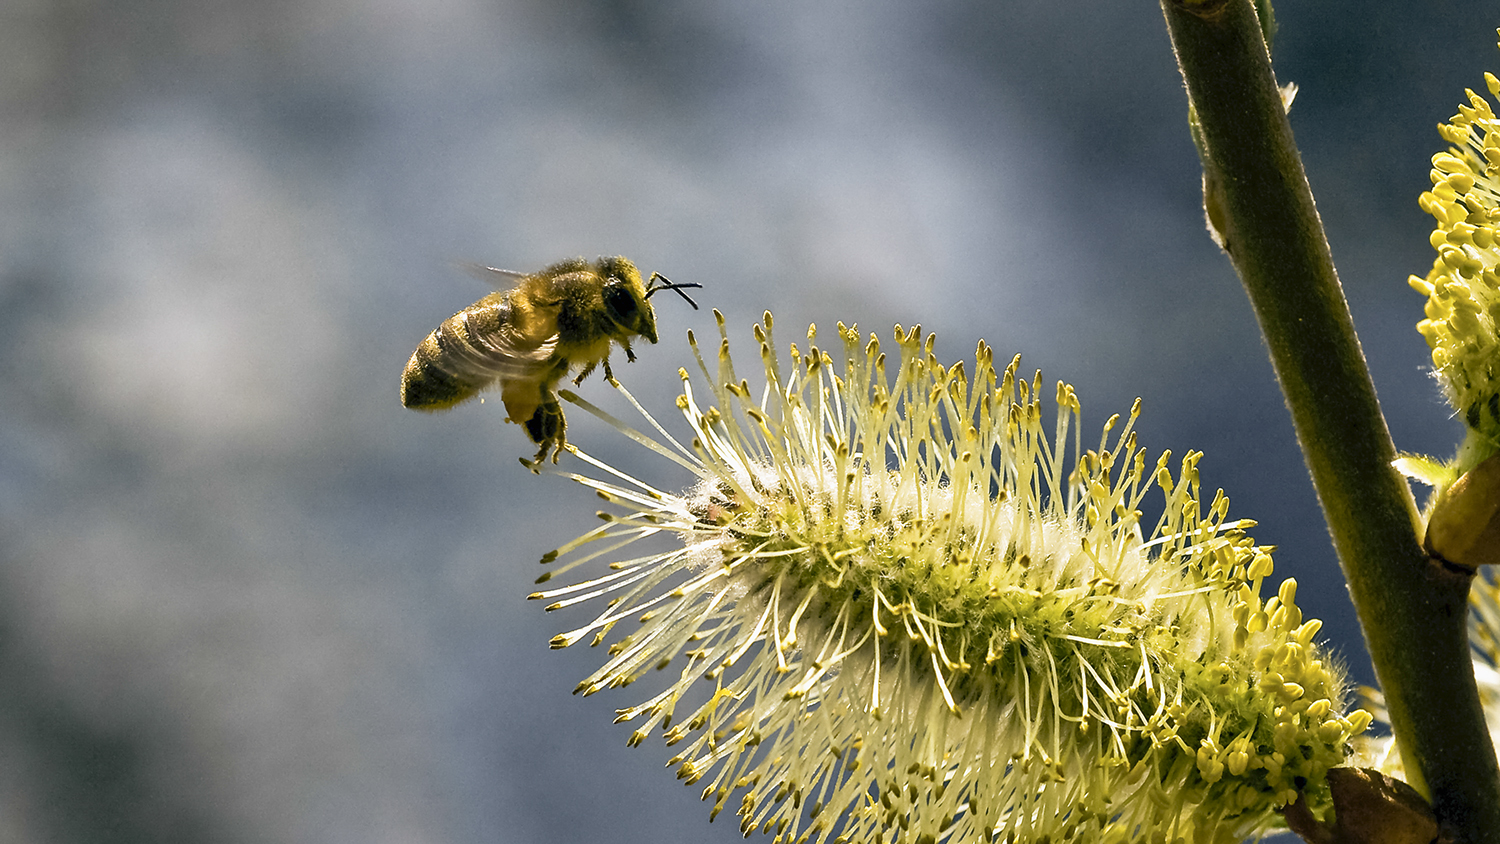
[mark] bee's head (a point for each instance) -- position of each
(625, 296)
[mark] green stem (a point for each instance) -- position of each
(1414, 614)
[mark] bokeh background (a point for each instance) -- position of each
(246, 597)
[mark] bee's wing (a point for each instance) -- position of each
(481, 356)
(493, 276)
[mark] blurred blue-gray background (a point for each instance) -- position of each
(246, 597)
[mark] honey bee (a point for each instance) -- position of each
(526, 339)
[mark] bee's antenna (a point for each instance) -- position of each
(666, 284)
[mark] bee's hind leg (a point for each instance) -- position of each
(548, 428)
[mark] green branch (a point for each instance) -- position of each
(1414, 614)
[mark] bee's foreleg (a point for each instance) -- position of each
(629, 354)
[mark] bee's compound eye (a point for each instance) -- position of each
(622, 306)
